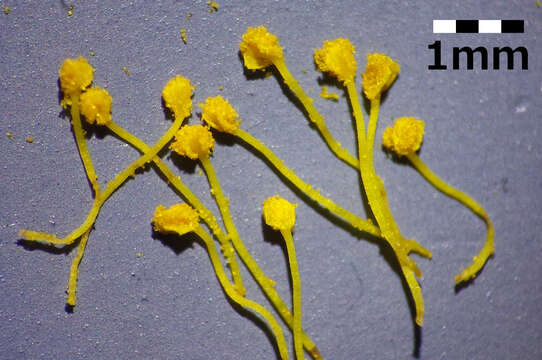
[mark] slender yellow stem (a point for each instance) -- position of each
(376, 196)
(489, 246)
(352, 219)
(82, 145)
(205, 214)
(371, 128)
(314, 116)
(234, 295)
(223, 204)
(378, 201)
(102, 196)
(296, 293)
(263, 281)
(358, 115)
(74, 270)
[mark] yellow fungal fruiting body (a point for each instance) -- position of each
(337, 58)
(179, 219)
(177, 95)
(96, 105)
(379, 74)
(260, 48)
(405, 137)
(220, 115)
(75, 76)
(193, 141)
(279, 213)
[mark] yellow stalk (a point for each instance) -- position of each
(74, 270)
(352, 219)
(175, 181)
(236, 297)
(102, 196)
(489, 246)
(371, 128)
(296, 293)
(82, 145)
(314, 116)
(378, 201)
(263, 281)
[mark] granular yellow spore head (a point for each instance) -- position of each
(220, 115)
(179, 219)
(96, 105)
(279, 213)
(75, 76)
(260, 48)
(405, 137)
(337, 58)
(193, 141)
(177, 95)
(379, 74)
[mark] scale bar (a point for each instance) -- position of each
(478, 26)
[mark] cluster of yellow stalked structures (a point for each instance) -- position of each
(260, 49)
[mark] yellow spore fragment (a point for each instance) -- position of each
(126, 71)
(331, 96)
(538, 3)
(183, 35)
(213, 6)
(6, 9)
(29, 139)
(405, 137)
(260, 48)
(193, 141)
(179, 219)
(337, 58)
(380, 72)
(279, 213)
(96, 105)
(9, 134)
(220, 115)
(177, 95)
(75, 76)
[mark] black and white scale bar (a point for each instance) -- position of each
(478, 26)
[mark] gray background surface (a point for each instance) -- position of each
(482, 135)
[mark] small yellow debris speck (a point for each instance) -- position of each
(70, 10)
(200, 172)
(92, 53)
(29, 139)
(6, 9)
(304, 71)
(183, 35)
(189, 15)
(330, 96)
(139, 254)
(220, 87)
(126, 71)
(9, 135)
(538, 4)
(213, 5)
